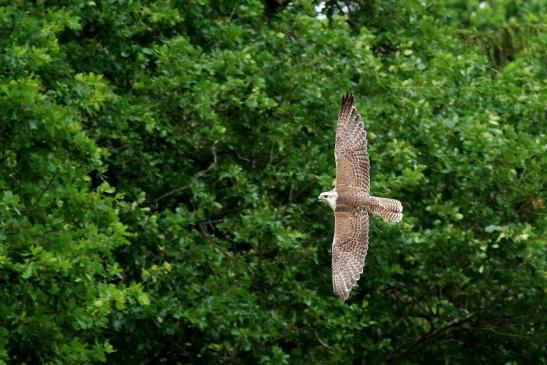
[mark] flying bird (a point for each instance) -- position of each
(351, 200)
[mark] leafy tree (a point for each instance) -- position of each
(60, 281)
(160, 163)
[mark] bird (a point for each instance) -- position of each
(351, 201)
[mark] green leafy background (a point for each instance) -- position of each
(160, 163)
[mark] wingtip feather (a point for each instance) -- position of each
(347, 98)
(340, 288)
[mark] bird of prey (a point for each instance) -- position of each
(351, 200)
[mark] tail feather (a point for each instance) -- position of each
(389, 209)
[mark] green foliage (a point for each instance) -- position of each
(160, 161)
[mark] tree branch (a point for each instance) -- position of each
(433, 335)
(199, 174)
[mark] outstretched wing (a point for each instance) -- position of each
(350, 152)
(349, 250)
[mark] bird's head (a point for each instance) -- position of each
(329, 197)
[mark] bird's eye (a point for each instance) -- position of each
(324, 196)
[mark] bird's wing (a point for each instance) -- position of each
(350, 152)
(349, 250)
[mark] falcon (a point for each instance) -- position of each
(351, 200)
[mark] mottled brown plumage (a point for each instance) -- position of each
(351, 200)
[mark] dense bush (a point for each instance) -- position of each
(160, 162)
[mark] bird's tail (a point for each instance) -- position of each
(389, 209)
